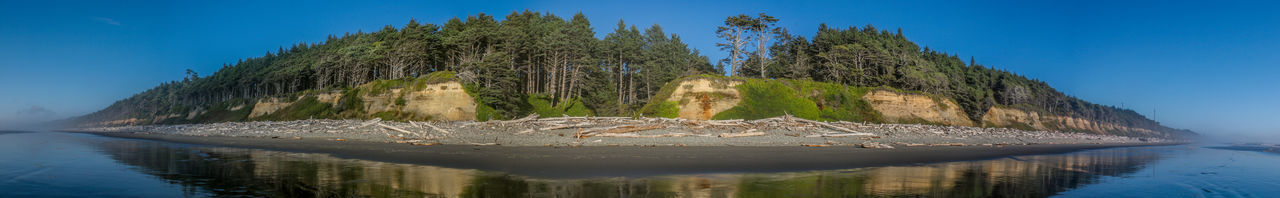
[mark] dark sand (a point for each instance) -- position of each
(605, 161)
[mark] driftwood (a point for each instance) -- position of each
(371, 122)
(837, 128)
(565, 126)
(620, 129)
(633, 135)
(525, 119)
(631, 129)
(736, 122)
(566, 117)
(592, 130)
(839, 134)
(776, 119)
(875, 145)
(525, 131)
(747, 134)
(400, 130)
(437, 129)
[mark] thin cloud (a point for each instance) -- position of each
(106, 20)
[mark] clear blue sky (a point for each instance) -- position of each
(1207, 66)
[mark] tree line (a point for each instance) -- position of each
(524, 54)
(540, 54)
(871, 57)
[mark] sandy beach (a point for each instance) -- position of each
(591, 147)
(583, 162)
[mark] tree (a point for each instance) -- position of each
(732, 31)
(191, 75)
(764, 28)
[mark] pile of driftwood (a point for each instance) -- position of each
(631, 127)
(621, 127)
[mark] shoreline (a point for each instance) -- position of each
(786, 131)
(615, 161)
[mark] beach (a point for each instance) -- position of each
(522, 147)
(582, 162)
(613, 131)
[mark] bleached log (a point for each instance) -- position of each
(566, 117)
(733, 135)
(370, 122)
(773, 119)
(633, 135)
(824, 124)
(736, 122)
(525, 131)
(525, 119)
(592, 130)
(624, 130)
(400, 130)
(839, 134)
(436, 128)
(565, 126)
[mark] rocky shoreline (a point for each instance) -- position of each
(622, 131)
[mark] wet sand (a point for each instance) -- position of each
(614, 161)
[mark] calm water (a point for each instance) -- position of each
(80, 165)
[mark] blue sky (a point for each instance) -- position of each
(1205, 66)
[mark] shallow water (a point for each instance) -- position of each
(81, 165)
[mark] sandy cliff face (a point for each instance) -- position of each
(1009, 117)
(897, 107)
(441, 101)
(700, 99)
(267, 106)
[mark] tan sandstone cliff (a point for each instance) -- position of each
(1009, 117)
(700, 99)
(440, 101)
(899, 107)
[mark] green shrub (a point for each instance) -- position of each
(350, 105)
(221, 112)
(577, 108)
(542, 105)
(390, 115)
(665, 109)
(838, 102)
(305, 108)
(656, 103)
(434, 78)
(484, 112)
(769, 98)
(382, 86)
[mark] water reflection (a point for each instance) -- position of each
(249, 172)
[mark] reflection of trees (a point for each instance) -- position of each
(246, 172)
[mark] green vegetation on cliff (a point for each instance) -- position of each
(769, 98)
(307, 107)
(763, 98)
(543, 106)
